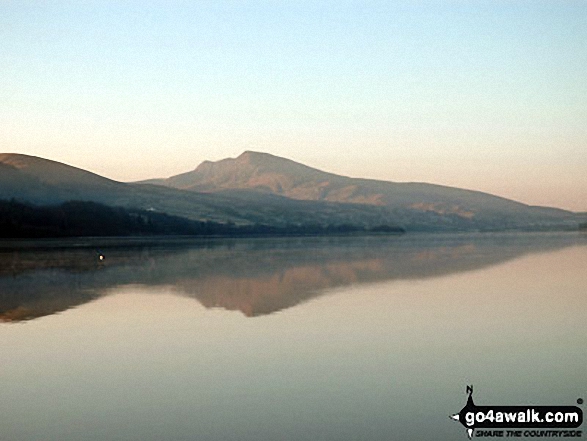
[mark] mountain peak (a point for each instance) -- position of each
(250, 170)
(251, 154)
(264, 159)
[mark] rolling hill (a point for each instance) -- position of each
(259, 188)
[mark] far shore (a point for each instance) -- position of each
(8, 244)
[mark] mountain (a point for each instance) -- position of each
(44, 181)
(258, 188)
(39, 181)
(418, 205)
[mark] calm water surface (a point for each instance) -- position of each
(288, 339)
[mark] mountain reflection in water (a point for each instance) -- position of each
(254, 276)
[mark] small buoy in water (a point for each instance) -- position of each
(101, 257)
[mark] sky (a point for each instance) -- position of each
(485, 95)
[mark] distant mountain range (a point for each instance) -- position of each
(259, 188)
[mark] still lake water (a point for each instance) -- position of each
(370, 338)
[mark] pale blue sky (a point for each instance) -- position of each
(488, 95)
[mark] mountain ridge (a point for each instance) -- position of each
(265, 173)
(33, 181)
(260, 188)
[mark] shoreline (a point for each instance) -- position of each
(16, 244)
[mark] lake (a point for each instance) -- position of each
(339, 338)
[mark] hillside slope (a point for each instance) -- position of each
(44, 182)
(258, 188)
(265, 174)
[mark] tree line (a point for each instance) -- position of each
(83, 218)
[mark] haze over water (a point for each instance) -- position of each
(288, 339)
